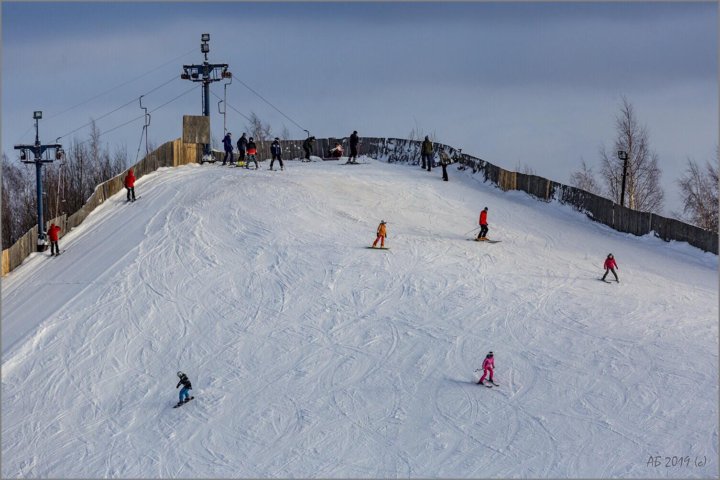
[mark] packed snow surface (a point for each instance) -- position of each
(313, 356)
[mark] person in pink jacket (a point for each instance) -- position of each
(610, 266)
(488, 367)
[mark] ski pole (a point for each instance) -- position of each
(472, 230)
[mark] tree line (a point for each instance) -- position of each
(67, 183)
(698, 184)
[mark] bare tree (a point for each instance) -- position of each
(642, 184)
(699, 189)
(258, 130)
(285, 135)
(18, 200)
(524, 168)
(584, 179)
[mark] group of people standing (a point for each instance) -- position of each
(247, 150)
(427, 154)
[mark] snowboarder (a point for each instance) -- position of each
(426, 153)
(53, 233)
(307, 147)
(242, 148)
(488, 366)
(185, 391)
(610, 266)
(276, 151)
(251, 152)
(130, 185)
(354, 140)
(227, 143)
(483, 225)
(381, 235)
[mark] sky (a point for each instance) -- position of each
(521, 85)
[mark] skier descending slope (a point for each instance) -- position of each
(184, 393)
(381, 235)
(488, 368)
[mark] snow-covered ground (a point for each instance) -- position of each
(312, 356)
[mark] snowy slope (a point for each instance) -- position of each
(312, 356)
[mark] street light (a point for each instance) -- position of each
(622, 155)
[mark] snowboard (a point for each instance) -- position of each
(181, 404)
(378, 248)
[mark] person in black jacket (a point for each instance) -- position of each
(251, 153)
(242, 148)
(307, 146)
(187, 386)
(354, 140)
(276, 151)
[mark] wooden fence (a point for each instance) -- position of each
(599, 209)
(170, 154)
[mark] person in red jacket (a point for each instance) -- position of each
(53, 233)
(610, 266)
(130, 185)
(483, 225)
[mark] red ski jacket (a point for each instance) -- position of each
(610, 263)
(53, 232)
(130, 179)
(483, 218)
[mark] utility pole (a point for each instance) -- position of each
(622, 155)
(38, 150)
(206, 73)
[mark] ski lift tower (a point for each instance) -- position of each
(39, 158)
(206, 73)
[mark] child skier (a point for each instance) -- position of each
(381, 235)
(185, 392)
(251, 152)
(610, 266)
(488, 367)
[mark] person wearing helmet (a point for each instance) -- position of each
(483, 225)
(185, 392)
(251, 153)
(488, 366)
(610, 266)
(381, 235)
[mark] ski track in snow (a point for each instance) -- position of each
(311, 356)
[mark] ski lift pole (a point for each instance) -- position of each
(223, 112)
(38, 150)
(146, 125)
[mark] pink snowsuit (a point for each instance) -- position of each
(488, 366)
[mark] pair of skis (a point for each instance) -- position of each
(487, 383)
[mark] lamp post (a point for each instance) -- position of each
(206, 73)
(622, 155)
(38, 150)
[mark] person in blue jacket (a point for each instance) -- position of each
(227, 143)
